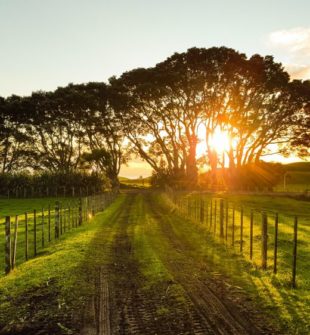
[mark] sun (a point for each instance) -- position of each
(219, 141)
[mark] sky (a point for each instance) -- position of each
(49, 43)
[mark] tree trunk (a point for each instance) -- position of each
(191, 168)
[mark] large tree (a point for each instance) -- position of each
(251, 100)
(16, 139)
(104, 136)
(300, 139)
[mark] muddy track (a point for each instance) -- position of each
(133, 311)
(218, 314)
(124, 303)
(134, 304)
(119, 305)
(97, 315)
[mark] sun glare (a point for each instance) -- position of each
(219, 141)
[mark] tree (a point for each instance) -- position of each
(55, 119)
(103, 134)
(300, 140)
(15, 136)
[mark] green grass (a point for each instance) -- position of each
(296, 181)
(138, 183)
(298, 166)
(19, 207)
(293, 304)
(54, 286)
(297, 178)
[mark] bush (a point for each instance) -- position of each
(51, 184)
(177, 180)
(262, 176)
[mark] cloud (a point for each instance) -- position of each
(298, 71)
(295, 45)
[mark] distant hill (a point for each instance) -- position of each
(298, 166)
(138, 182)
(297, 178)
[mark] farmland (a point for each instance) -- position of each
(296, 178)
(162, 273)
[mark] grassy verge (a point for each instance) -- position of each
(52, 289)
(45, 232)
(14, 207)
(292, 306)
(147, 239)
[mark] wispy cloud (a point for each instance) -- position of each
(295, 45)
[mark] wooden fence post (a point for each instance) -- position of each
(233, 227)
(35, 232)
(15, 242)
(202, 211)
(80, 212)
(264, 240)
(60, 219)
(64, 218)
(275, 254)
(42, 221)
(222, 218)
(211, 215)
(251, 233)
(215, 212)
(56, 222)
(26, 236)
(294, 253)
(241, 229)
(8, 250)
(226, 221)
(49, 223)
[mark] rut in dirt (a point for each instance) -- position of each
(124, 303)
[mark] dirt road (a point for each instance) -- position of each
(158, 277)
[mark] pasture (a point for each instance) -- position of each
(163, 268)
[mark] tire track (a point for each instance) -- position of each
(133, 311)
(217, 314)
(97, 317)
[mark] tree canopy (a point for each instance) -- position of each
(162, 114)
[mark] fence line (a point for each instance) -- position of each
(28, 234)
(239, 228)
(63, 191)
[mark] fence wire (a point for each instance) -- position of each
(26, 235)
(277, 243)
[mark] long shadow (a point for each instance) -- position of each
(213, 261)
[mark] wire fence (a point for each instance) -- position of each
(25, 236)
(273, 242)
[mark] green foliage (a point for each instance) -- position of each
(291, 305)
(53, 287)
(47, 184)
(259, 176)
(164, 177)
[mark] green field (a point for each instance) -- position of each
(137, 183)
(293, 302)
(296, 179)
(55, 276)
(161, 267)
(45, 230)
(285, 208)
(45, 224)
(14, 207)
